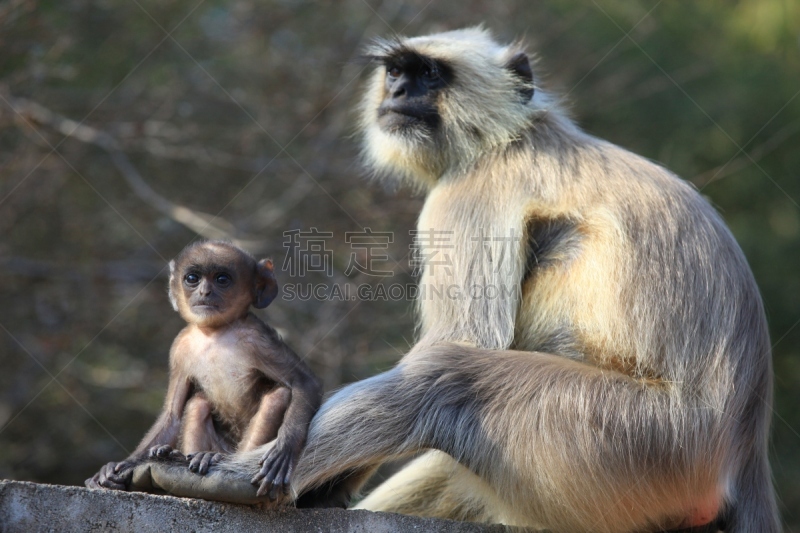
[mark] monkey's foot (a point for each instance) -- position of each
(274, 477)
(200, 462)
(165, 452)
(116, 476)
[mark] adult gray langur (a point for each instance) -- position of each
(619, 380)
(603, 363)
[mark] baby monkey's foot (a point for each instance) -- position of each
(112, 476)
(200, 462)
(165, 452)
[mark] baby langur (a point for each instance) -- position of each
(234, 385)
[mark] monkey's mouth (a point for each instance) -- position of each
(205, 308)
(391, 117)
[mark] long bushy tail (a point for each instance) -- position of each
(754, 508)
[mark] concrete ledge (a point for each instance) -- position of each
(28, 507)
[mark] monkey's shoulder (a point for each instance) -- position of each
(629, 181)
(610, 191)
(266, 343)
(259, 331)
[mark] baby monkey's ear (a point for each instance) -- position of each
(173, 298)
(266, 284)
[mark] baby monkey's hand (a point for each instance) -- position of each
(200, 462)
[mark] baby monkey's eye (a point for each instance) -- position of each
(192, 278)
(393, 72)
(223, 280)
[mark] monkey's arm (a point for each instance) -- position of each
(165, 431)
(279, 363)
(167, 427)
(519, 419)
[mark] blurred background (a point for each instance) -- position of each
(128, 128)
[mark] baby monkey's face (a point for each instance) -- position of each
(215, 293)
(213, 284)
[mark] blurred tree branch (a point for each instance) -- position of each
(204, 224)
(125, 270)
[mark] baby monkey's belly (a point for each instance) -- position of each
(234, 403)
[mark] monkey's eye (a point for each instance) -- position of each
(192, 278)
(393, 72)
(223, 280)
(431, 72)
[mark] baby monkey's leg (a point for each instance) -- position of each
(268, 419)
(199, 439)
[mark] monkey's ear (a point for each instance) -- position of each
(172, 297)
(521, 67)
(266, 284)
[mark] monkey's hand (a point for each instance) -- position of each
(165, 452)
(200, 462)
(277, 465)
(115, 476)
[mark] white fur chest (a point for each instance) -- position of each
(472, 255)
(222, 367)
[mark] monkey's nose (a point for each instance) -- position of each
(204, 289)
(400, 87)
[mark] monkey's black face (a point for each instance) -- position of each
(412, 85)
